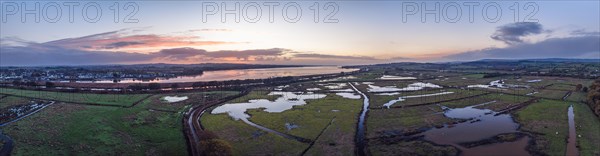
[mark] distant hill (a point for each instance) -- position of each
(540, 60)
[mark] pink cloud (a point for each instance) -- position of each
(121, 41)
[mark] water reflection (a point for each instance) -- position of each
(482, 124)
(348, 95)
(241, 74)
(402, 98)
(287, 101)
(411, 87)
(572, 141)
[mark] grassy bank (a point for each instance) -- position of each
(312, 118)
(67, 129)
(247, 140)
(382, 122)
(101, 99)
(549, 122)
(588, 126)
(12, 101)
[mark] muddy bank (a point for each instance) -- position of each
(508, 137)
(408, 145)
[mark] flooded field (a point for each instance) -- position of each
(480, 124)
(172, 99)
(286, 101)
(362, 114)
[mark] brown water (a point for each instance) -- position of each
(483, 124)
(572, 141)
(515, 148)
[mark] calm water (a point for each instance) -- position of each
(242, 74)
(286, 101)
(360, 132)
(571, 142)
(488, 124)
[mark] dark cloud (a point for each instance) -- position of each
(324, 56)
(512, 33)
(42, 54)
(126, 38)
(121, 44)
(32, 56)
(400, 58)
(582, 32)
(587, 46)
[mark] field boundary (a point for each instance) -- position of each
(80, 103)
(431, 103)
(317, 138)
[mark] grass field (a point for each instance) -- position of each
(577, 97)
(247, 140)
(377, 101)
(193, 98)
(588, 126)
(417, 147)
(381, 122)
(549, 118)
(561, 86)
(457, 94)
(551, 94)
(102, 99)
(312, 118)
(12, 101)
(255, 95)
(502, 101)
(66, 129)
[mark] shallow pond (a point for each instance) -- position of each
(411, 87)
(172, 99)
(389, 94)
(348, 95)
(334, 85)
(482, 124)
(402, 98)
(313, 89)
(392, 77)
(286, 101)
(497, 84)
(533, 81)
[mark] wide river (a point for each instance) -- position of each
(242, 74)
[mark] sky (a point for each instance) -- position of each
(294, 32)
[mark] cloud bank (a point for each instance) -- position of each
(572, 47)
(512, 33)
(123, 47)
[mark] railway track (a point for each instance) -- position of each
(191, 121)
